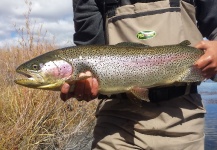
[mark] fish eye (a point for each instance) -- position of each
(35, 67)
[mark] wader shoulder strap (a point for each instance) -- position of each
(109, 6)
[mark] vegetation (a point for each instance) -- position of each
(37, 119)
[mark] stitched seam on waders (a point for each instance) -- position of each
(144, 14)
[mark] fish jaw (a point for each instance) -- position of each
(36, 81)
(31, 79)
(50, 75)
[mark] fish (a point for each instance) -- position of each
(121, 68)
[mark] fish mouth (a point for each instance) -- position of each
(36, 81)
(29, 79)
(28, 76)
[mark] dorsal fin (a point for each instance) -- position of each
(131, 44)
(185, 43)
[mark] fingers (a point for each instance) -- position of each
(65, 94)
(95, 88)
(87, 95)
(203, 61)
(82, 89)
(207, 63)
(86, 89)
(65, 88)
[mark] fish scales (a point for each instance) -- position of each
(119, 71)
(118, 68)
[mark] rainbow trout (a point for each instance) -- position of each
(124, 67)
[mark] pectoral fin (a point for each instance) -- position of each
(72, 81)
(139, 93)
(83, 77)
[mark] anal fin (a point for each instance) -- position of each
(138, 93)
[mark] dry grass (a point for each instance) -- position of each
(37, 119)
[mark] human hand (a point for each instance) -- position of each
(86, 89)
(207, 63)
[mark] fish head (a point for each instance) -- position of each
(44, 72)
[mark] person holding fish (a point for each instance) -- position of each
(174, 116)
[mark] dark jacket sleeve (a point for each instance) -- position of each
(88, 23)
(207, 18)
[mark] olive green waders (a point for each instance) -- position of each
(172, 124)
